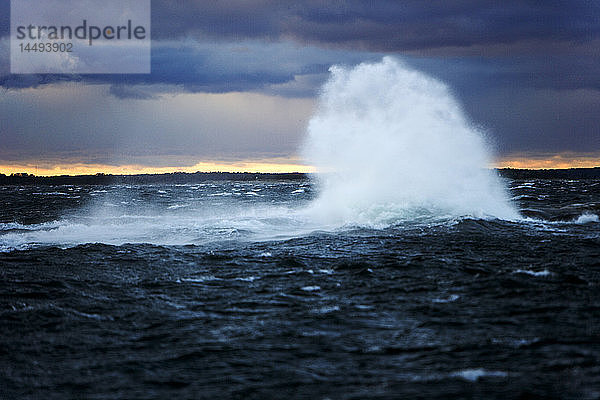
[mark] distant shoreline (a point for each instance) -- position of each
(198, 177)
(137, 179)
(567, 173)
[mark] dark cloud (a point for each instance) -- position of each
(186, 69)
(409, 25)
(213, 68)
(550, 71)
(531, 43)
(539, 120)
(383, 25)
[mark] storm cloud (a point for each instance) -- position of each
(544, 44)
(527, 72)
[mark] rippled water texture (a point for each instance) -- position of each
(235, 290)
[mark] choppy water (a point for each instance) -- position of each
(235, 290)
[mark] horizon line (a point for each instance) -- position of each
(268, 166)
(291, 172)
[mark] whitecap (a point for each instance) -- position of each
(247, 279)
(473, 375)
(199, 279)
(533, 273)
(449, 299)
(587, 218)
(311, 288)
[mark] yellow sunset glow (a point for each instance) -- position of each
(91, 169)
(556, 161)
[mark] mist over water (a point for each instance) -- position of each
(392, 144)
(157, 214)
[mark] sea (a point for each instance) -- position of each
(245, 290)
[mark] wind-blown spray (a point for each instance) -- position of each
(391, 143)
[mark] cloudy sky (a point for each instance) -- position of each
(234, 83)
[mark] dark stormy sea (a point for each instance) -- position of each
(233, 290)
